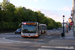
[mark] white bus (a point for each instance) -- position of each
(43, 28)
(30, 29)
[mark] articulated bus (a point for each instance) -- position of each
(30, 29)
(43, 28)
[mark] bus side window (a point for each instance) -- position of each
(38, 27)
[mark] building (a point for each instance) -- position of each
(73, 16)
(70, 20)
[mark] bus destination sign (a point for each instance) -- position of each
(31, 23)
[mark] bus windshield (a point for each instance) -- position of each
(29, 28)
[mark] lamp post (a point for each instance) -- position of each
(63, 34)
(0, 7)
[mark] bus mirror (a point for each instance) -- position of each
(20, 24)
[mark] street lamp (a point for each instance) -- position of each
(0, 7)
(63, 34)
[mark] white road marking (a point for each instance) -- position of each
(45, 49)
(3, 40)
(10, 36)
(39, 43)
(64, 47)
(58, 47)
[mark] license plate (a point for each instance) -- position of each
(28, 36)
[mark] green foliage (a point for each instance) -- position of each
(11, 16)
(58, 24)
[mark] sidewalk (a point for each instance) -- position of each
(69, 35)
(62, 43)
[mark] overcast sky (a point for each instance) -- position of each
(54, 9)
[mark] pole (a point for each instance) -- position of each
(63, 26)
(63, 34)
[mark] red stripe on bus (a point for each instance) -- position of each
(28, 36)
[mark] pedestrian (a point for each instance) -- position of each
(67, 28)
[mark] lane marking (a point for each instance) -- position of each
(3, 40)
(55, 47)
(38, 43)
(64, 47)
(45, 49)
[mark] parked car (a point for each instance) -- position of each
(18, 31)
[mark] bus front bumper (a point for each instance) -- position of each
(29, 36)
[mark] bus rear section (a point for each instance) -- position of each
(43, 28)
(29, 29)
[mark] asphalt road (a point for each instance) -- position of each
(12, 41)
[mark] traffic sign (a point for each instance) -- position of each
(71, 23)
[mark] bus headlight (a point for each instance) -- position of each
(36, 35)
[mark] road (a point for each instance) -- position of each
(50, 40)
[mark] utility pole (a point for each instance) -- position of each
(63, 33)
(73, 17)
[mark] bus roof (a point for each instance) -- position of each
(43, 24)
(29, 22)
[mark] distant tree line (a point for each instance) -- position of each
(11, 16)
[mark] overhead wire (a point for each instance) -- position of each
(68, 5)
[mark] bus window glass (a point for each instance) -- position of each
(43, 27)
(29, 28)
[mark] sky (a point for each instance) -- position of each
(54, 9)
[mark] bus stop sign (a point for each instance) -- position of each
(71, 23)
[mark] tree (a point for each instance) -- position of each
(11, 16)
(58, 24)
(4, 4)
(40, 17)
(10, 7)
(0, 6)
